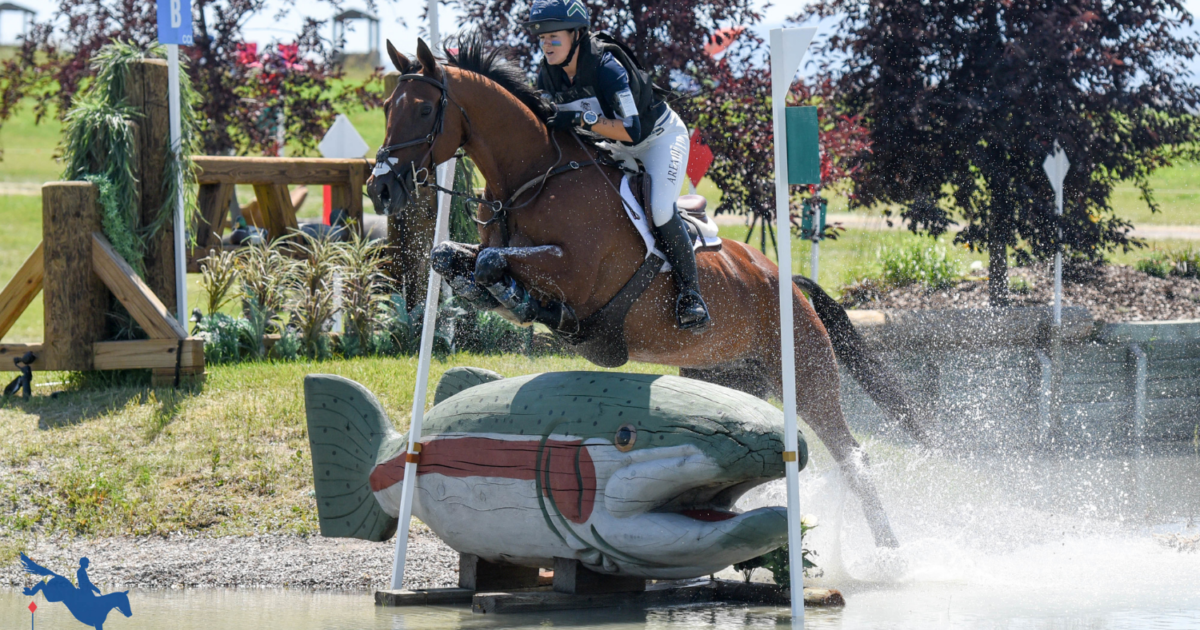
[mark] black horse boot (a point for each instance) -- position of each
(674, 241)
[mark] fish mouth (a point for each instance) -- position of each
(680, 480)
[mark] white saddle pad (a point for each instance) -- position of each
(641, 221)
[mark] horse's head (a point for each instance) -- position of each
(122, 600)
(423, 130)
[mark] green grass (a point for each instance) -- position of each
(29, 148)
(229, 459)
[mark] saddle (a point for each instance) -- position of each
(692, 208)
(601, 337)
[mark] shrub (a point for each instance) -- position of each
(218, 277)
(918, 264)
(226, 339)
(1157, 264)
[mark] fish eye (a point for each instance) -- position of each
(625, 438)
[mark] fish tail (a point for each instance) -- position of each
(347, 428)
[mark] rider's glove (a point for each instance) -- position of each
(565, 119)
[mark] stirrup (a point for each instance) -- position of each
(691, 313)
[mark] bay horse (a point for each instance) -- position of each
(568, 242)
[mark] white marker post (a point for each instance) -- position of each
(445, 179)
(787, 50)
(1056, 166)
(175, 28)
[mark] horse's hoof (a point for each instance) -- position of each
(490, 267)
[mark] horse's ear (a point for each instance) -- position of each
(398, 59)
(429, 64)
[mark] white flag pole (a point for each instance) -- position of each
(787, 49)
(441, 233)
(445, 179)
(181, 305)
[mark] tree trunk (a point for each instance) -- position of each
(999, 230)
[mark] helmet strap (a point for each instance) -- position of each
(571, 53)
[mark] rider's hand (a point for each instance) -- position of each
(565, 119)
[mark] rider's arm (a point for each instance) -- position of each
(613, 91)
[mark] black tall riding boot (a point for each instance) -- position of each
(673, 240)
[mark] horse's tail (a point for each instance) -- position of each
(347, 428)
(871, 373)
(35, 568)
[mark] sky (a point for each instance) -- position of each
(264, 28)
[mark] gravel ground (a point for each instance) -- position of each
(1118, 294)
(266, 561)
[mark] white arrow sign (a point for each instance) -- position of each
(1056, 166)
(343, 140)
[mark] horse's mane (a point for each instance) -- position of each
(472, 57)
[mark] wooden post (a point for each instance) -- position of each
(210, 224)
(477, 574)
(75, 299)
(570, 576)
(146, 92)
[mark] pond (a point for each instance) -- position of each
(988, 542)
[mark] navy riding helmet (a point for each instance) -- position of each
(547, 16)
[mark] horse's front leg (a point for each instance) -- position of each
(456, 263)
(33, 590)
(543, 267)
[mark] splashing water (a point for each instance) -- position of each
(1008, 540)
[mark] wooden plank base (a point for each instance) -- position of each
(424, 597)
(542, 599)
(570, 576)
(477, 574)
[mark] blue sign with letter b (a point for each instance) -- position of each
(175, 22)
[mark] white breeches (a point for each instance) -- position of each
(664, 154)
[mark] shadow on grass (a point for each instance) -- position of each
(90, 395)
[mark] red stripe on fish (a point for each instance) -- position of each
(569, 477)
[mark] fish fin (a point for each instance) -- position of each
(347, 428)
(458, 379)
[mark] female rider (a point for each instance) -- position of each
(596, 86)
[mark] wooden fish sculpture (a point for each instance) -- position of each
(631, 474)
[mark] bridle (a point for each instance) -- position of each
(386, 164)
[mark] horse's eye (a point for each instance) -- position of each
(426, 110)
(625, 438)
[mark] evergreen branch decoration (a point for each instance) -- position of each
(99, 147)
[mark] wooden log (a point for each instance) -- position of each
(141, 302)
(165, 377)
(149, 353)
(354, 205)
(424, 597)
(21, 290)
(281, 171)
(9, 351)
(570, 576)
(477, 574)
(75, 299)
(146, 92)
(391, 79)
(278, 213)
(214, 202)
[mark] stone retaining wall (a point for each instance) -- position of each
(1001, 378)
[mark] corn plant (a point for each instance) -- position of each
(364, 293)
(311, 303)
(219, 278)
(266, 273)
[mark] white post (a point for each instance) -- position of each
(445, 174)
(1056, 166)
(816, 256)
(435, 36)
(787, 49)
(181, 305)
